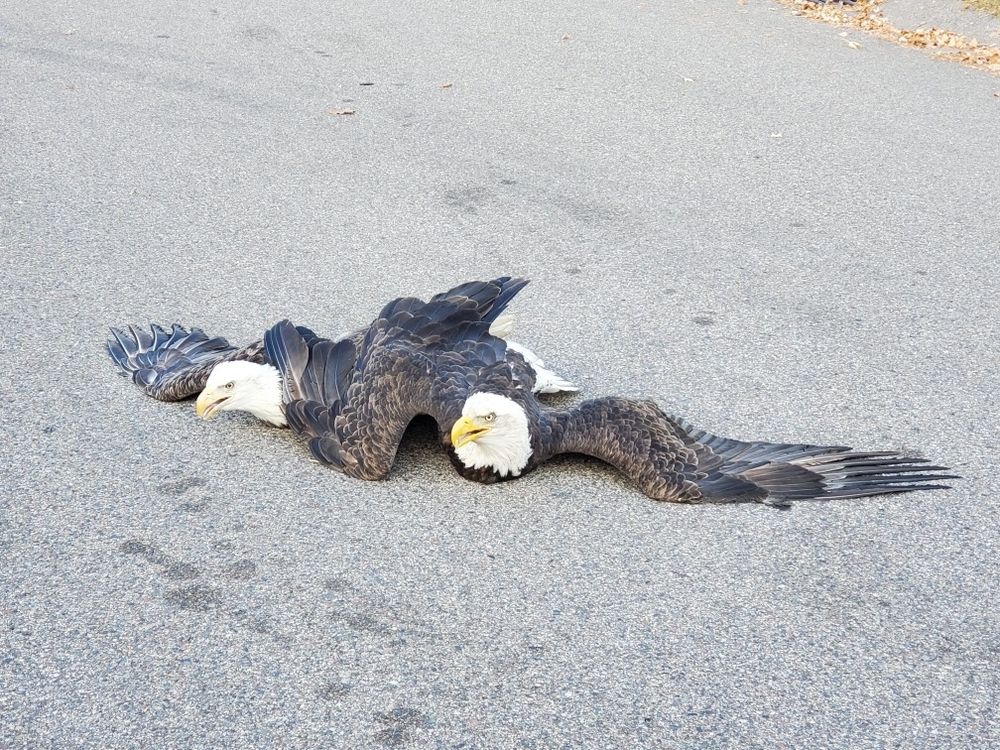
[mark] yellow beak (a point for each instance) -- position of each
(208, 403)
(466, 431)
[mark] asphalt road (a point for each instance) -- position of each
(722, 207)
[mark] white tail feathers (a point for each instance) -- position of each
(546, 381)
(503, 326)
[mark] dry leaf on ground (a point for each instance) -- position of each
(865, 15)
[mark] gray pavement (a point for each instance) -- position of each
(722, 207)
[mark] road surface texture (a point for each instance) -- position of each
(722, 207)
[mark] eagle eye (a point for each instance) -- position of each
(490, 417)
(228, 386)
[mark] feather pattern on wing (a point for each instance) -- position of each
(415, 358)
(671, 460)
(173, 365)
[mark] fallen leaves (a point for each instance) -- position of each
(866, 16)
(988, 6)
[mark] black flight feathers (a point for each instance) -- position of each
(315, 375)
(315, 372)
(290, 349)
(159, 361)
(776, 473)
(489, 297)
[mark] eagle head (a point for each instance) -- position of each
(492, 432)
(243, 386)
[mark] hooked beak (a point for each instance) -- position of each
(466, 431)
(208, 403)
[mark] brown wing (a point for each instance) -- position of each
(632, 436)
(670, 460)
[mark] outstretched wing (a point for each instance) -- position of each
(175, 365)
(354, 400)
(633, 436)
(671, 460)
(777, 473)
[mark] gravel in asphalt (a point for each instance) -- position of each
(721, 206)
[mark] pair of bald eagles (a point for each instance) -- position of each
(449, 358)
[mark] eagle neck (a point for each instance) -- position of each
(267, 402)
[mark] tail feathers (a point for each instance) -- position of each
(168, 365)
(546, 381)
(502, 327)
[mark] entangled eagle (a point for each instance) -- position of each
(353, 399)
(177, 364)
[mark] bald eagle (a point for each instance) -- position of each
(354, 399)
(174, 365)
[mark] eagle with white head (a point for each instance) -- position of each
(176, 364)
(354, 403)
(353, 399)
